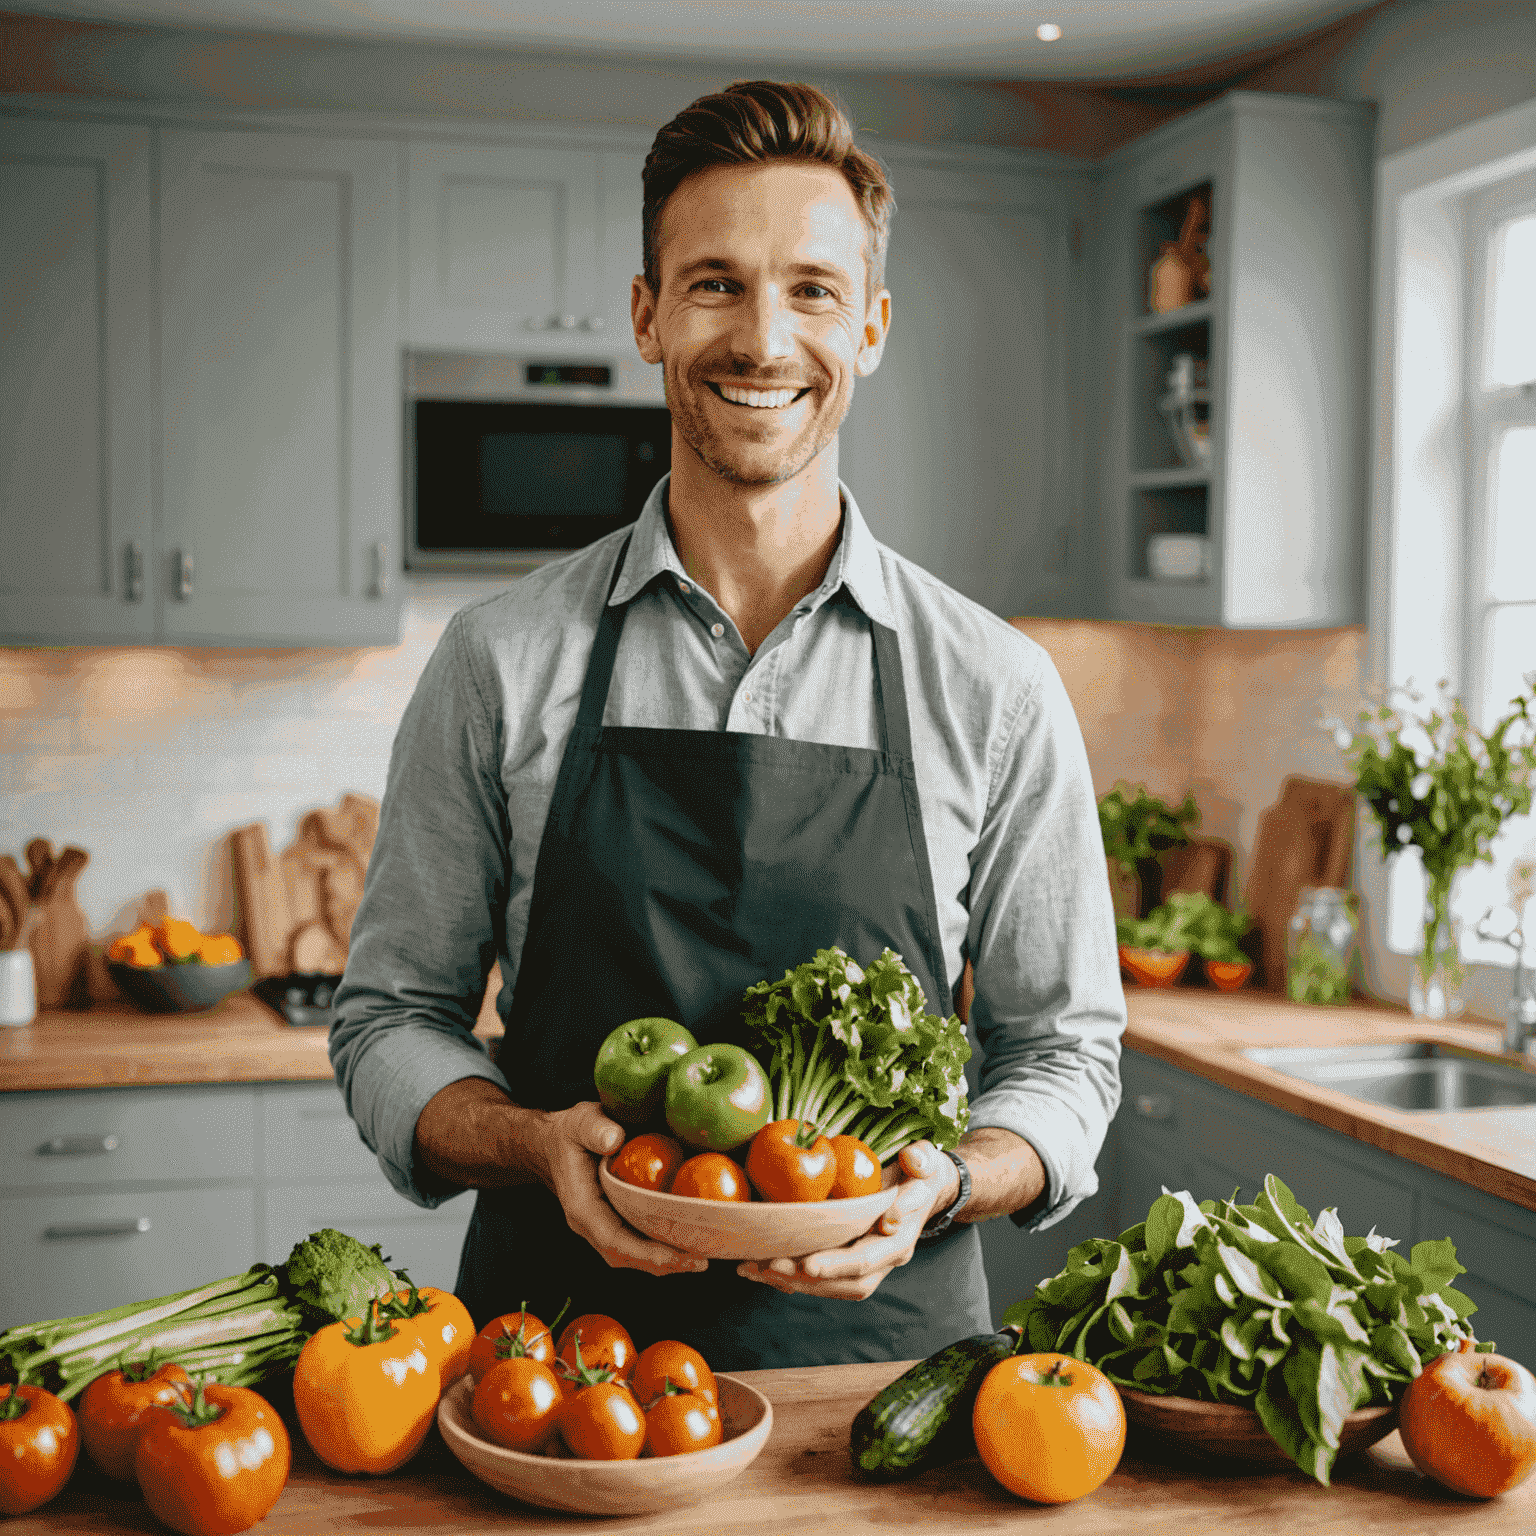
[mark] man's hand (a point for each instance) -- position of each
(471, 1135)
(854, 1273)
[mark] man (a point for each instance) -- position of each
(688, 756)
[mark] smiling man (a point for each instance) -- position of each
(685, 758)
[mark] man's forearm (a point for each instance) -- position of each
(1006, 1173)
(472, 1136)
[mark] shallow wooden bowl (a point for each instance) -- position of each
(641, 1487)
(755, 1229)
(1236, 1433)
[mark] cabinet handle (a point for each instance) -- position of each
(68, 1231)
(78, 1146)
(1154, 1106)
(182, 578)
(133, 571)
(380, 568)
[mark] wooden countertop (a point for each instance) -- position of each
(1200, 1030)
(1206, 1032)
(803, 1481)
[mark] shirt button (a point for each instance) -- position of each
(747, 696)
(717, 630)
(683, 586)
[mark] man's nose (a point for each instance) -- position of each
(767, 325)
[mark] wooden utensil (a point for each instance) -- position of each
(18, 900)
(262, 918)
(60, 942)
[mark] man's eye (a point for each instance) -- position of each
(816, 291)
(712, 285)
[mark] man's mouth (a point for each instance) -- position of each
(758, 399)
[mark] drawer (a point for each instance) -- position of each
(118, 1135)
(71, 1253)
(307, 1136)
(426, 1243)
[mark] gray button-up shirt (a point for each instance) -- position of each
(1008, 812)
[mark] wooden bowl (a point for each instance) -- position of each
(1236, 1433)
(1153, 967)
(641, 1487)
(756, 1229)
(179, 988)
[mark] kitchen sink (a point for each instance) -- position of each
(1407, 1074)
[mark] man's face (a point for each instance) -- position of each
(762, 321)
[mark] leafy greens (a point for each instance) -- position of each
(1256, 1305)
(855, 1051)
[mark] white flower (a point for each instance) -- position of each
(1392, 805)
(1420, 786)
(1342, 737)
(1416, 740)
(1405, 833)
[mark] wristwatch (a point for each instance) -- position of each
(937, 1225)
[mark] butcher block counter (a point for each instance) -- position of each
(803, 1481)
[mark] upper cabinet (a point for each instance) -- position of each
(76, 382)
(1232, 477)
(515, 247)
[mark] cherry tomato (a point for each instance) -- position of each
(602, 1422)
(365, 1394)
(446, 1328)
(112, 1406)
(604, 1342)
(517, 1403)
(711, 1176)
(678, 1422)
(858, 1169)
(39, 1442)
(791, 1160)
(1048, 1427)
(509, 1337)
(671, 1360)
(214, 1465)
(649, 1161)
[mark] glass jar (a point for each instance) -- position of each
(1320, 945)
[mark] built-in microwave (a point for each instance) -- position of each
(511, 459)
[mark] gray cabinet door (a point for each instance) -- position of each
(281, 389)
(76, 372)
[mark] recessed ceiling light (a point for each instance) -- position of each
(1048, 32)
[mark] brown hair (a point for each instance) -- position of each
(753, 121)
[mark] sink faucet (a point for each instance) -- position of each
(1520, 1011)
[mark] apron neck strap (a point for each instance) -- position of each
(605, 646)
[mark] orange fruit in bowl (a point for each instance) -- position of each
(219, 949)
(136, 948)
(176, 938)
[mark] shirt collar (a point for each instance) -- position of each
(855, 565)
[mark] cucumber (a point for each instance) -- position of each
(923, 1418)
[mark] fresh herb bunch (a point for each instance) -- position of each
(1256, 1305)
(855, 1050)
(1438, 785)
(1188, 920)
(240, 1331)
(1136, 829)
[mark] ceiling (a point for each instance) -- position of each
(989, 39)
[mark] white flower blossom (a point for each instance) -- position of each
(1416, 739)
(1405, 833)
(1420, 786)
(1342, 737)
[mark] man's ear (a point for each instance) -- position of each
(877, 326)
(642, 315)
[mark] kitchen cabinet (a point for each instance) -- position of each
(519, 247)
(76, 409)
(1281, 346)
(123, 1194)
(1179, 1130)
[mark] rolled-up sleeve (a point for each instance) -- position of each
(1049, 1011)
(430, 923)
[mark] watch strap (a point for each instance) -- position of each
(938, 1224)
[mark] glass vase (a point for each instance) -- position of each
(1438, 976)
(1320, 945)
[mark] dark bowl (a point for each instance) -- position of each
(179, 988)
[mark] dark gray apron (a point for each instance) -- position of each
(677, 868)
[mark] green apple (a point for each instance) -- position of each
(717, 1097)
(632, 1067)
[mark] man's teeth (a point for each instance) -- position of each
(762, 398)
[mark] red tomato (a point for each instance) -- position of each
(517, 1402)
(511, 1336)
(1468, 1420)
(858, 1169)
(443, 1322)
(602, 1422)
(711, 1176)
(649, 1161)
(215, 1466)
(678, 1422)
(365, 1394)
(112, 1406)
(1048, 1427)
(791, 1160)
(670, 1360)
(604, 1343)
(39, 1442)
